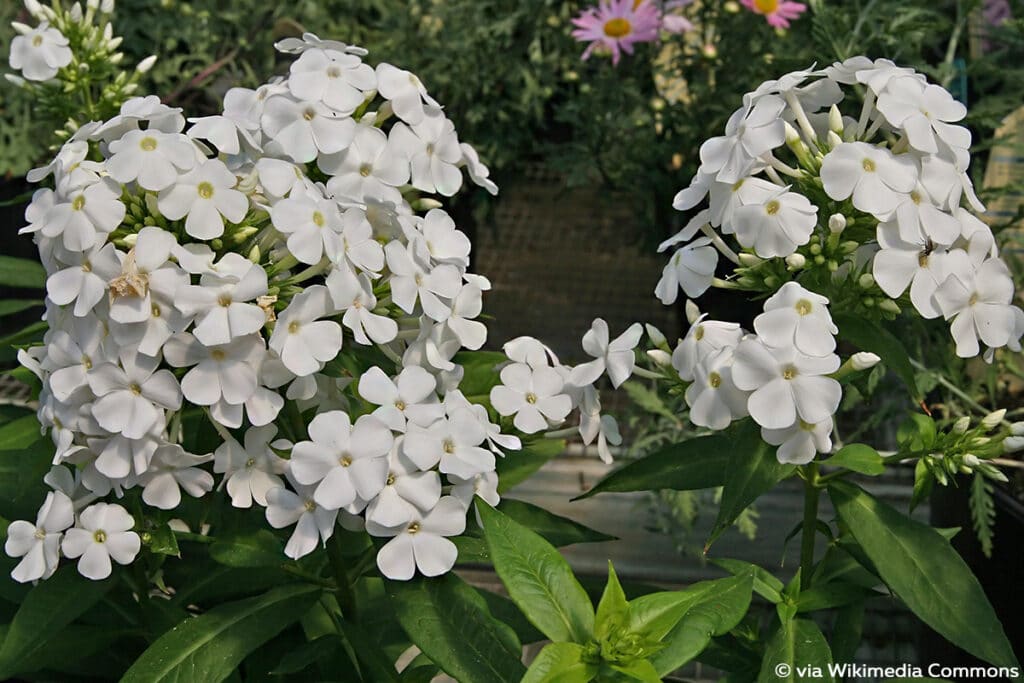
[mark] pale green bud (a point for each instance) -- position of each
(146, 64)
(962, 425)
(971, 460)
(692, 312)
(749, 260)
(834, 140)
(866, 281)
(796, 261)
(1012, 444)
(1017, 429)
(889, 306)
(837, 223)
(864, 360)
(661, 358)
(993, 419)
(835, 120)
(655, 335)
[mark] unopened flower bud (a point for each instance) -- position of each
(130, 240)
(146, 64)
(23, 29)
(655, 335)
(17, 81)
(34, 8)
(76, 13)
(792, 135)
(117, 57)
(107, 6)
(993, 419)
(426, 204)
(889, 306)
(991, 472)
(771, 282)
(980, 440)
(815, 249)
(866, 281)
(661, 358)
(837, 223)
(692, 312)
(962, 425)
(835, 120)
(1012, 444)
(115, 42)
(1017, 429)
(864, 360)
(848, 247)
(834, 140)
(92, 4)
(749, 260)
(971, 460)
(796, 261)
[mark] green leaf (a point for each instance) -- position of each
(517, 466)
(685, 466)
(538, 579)
(208, 648)
(162, 541)
(557, 530)
(373, 663)
(12, 306)
(505, 611)
(870, 336)
(656, 614)
(765, 583)
(847, 633)
(449, 621)
(858, 457)
(259, 549)
(648, 400)
(752, 469)
(716, 609)
(611, 610)
(560, 663)
(47, 608)
(924, 570)
(479, 376)
(20, 433)
(835, 594)
(306, 655)
(640, 670)
(917, 432)
(799, 652)
(923, 483)
(23, 273)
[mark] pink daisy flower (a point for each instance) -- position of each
(777, 12)
(616, 25)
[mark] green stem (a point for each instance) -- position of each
(345, 596)
(811, 496)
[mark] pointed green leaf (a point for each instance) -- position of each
(449, 621)
(557, 530)
(23, 273)
(685, 466)
(538, 579)
(47, 608)
(717, 607)
(847, 632)
(870, 336)
(640, 670)
(259, 549)
(859, 458)
(924, 570)
(752, 469)
(518, 466)
(611, 610)
(765, 583)
(560, 663)
(797, 653)
(12, 306)
(208, 648)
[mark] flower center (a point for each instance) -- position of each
(430, 148)
(714, 380)
(738, 184)
(40, 534)
(333, 72)
(100, 536)
(789, 373)
(803, 307)
(218, 355)
(973, 300)
(414, 528)
(37, 41)
(293, 326)
(155, 311)
(250, 462)
(868, 165)
(766, 6)
(391, 479)
(448, 446)
(531, 398)
(86, 266)
(617, 27)
(87, 362)
(78, 203)
(345, 460)
(806, 426)
(309, 114)
(318, 219)
(310, 506)
(772, 207)
(135, 388)
(915, 197)
(365, 170)
(922, 259)
(699, 334)
(147, 144)
(400, 404)
(205, 190)
(224, 300)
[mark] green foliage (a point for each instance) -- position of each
(951, 600)
(983, 512)
(857, 457)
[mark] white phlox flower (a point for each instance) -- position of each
(777, 227)
(39, 544)
(797, 317)
(413, 280)
(749, 133)
(40, 53)
(405, 91)
(410, 396)
(799, 443)
(691, 268)
(250, 471)
(421, 543)
(702, 339)
(407, 492)
(616, 357)
(925, 112)
(978, 304)
(303, 130)
(432, 148)
(535, 396)
(338, 79)
(90, 213)
(714, 399)
(312, 223)
(131, 396)
(221, 301)
(594, 425)
(785, 384)
(84, 279)
(921, 265)
(874, 177)
(371, 167)
(313, 523)
(454, 400)
(354, 295)
(205, 197)
(452, 443)
(151, 158)
(226, 372)
(103, 533)
(172, 470)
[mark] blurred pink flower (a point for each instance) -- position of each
(777, 12)
(616, 25)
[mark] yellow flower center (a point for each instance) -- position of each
(135, 388)
(293, 326)
(318, 219)
(771, 208)
(155, 310)
(205, 190)
(345, 460)
(391, 479)
(309, 114)
(868, 165)
(715, 380)
(789, 373)
(766, 6)
(699, 334)
(531, 398)
(449, 446)
(100, 536)
(400, 404)
(806, 426)
(78, 203)
(803, 307)
(224, 300)
(310, 506)
(414, 528)
(617, 27)
(37, 41)
(218, 355)
(365, 170)
(147, 144)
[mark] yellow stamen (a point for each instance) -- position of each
(617, 27)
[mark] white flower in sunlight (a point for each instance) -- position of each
(171, 470)
(749, 133)
(313, 522)
(979, 304)
(921, 265)
(406, 92)
(799, 443)
(616, 357)
(206, 195)
(411, 396)
(300, 338)
(795, 316)
(222, 372)
(777, 226)
(691, 268)
(877, 179)
(453, 443)
(713, 397)
(335, 78)
(252, 470)
(39, 544)
(702, 339)
(354, 295)
(406, 491)
(371, 167)
(221, 302)
(432, 148)
(131, 396)
(534, 395)
(302, 130)
(40, 53)
(312, 223)
(84, 281)
(925, 112)
(152, 158)
(103, 533)
(89, 212)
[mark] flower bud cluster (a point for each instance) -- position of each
(820, 196)
(243, 269)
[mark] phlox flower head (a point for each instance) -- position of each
(615, 26)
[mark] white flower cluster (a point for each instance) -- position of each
(39, 53)
(234, 269)
(891, 183)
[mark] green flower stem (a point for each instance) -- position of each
(812, 493)
(562, 433)
(649, 374)
(345, 595)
